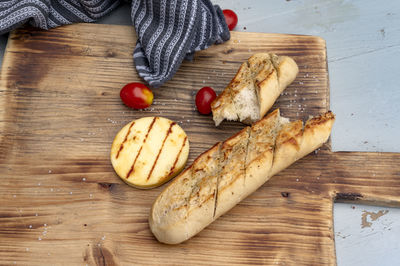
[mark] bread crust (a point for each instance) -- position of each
(259, 81)
(227, 173)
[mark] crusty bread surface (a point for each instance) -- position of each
(230, 171)
(254, 89)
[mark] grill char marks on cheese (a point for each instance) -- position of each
(161, 149)
(149, 151)
(125, 139)
(231, 170)
(140, 150)
(177, 157)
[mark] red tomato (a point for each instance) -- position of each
(136, 95)
(204, 98)
(230, 18)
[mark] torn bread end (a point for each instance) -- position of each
(255, 88)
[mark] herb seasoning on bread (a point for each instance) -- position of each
(252, 92)
(230, 171)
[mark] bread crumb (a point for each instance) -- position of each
(297, 180)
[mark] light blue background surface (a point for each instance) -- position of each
(363, 47)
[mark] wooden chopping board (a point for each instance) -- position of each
(62, 203)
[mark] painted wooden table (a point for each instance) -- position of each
(363, 45)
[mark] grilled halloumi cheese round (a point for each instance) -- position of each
(149, 151)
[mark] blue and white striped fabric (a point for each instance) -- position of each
(167, 30)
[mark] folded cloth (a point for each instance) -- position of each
(167, 30)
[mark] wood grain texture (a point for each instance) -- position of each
(62, 203)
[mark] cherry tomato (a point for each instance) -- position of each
(204, 98)
(230, 18)
(136, 95)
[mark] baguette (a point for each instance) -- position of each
(230, 171)
(255, 88)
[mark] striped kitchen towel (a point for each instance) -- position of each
(168, 30)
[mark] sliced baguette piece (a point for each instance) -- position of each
(230, 171)
(255, 88)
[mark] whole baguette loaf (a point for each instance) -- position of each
(255, 88)
(230, 171)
